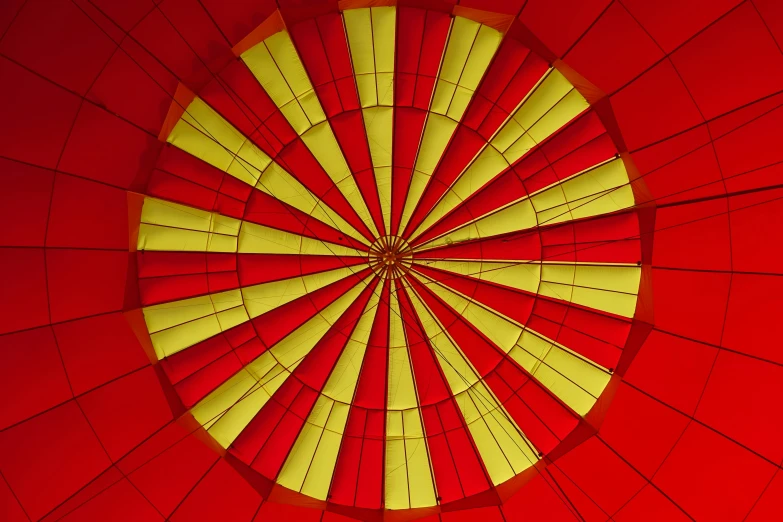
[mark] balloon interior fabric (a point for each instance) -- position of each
(391, 260)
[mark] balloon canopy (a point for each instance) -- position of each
(391, 260)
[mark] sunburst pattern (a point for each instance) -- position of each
(419, 273)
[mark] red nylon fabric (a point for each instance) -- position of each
(93, 427)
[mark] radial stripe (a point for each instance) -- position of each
(309, 467)
(599, 190)
(205, 134)
(469, 51)
(170, 226)
(258, 239)
(226, 411)
(371, 37)
(606, 287)
(358, 476)
(260, 299)
(408, 472)
(272, 435)
(177, 325)
(276, 64)
(551, 105)
(456, 464)
(576, 380)
(503, 447)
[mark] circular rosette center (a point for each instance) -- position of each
(390, 257)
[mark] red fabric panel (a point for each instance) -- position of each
(37, 116)
(167, 466)
(85, 214)
(545, 19)
(619, 63)
(104, 148)
(85, 282)
(31, 372)
(601, 474)
(25, 194)
(691, 304)
(641, 429)
(97, 350)
(208, 498)
(752, 63)
(694, 479)
(740, 402)
(121, 502)
(23, 280)
(56, 39)
(672, 369)
(137, 396)
(754, 301)
(650, 505)
(43, 475)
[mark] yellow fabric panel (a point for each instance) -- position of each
(441, 99)
(518, 216)
(202, 118)
(322, 143)
(173, 227)
(179, 324)
(342, 381)
(298, 344)
(459, 372)
(378, 121)
(383, 180)
(358, 27)
(204, 133)
(565, 110)
(401, 388)
(484, 48)
(596, 191)
(278, 183)
(418, 183)
(294, 471)
(163, 238)
(422, 489)
(599, 190)
(503, 448)
(524, 275)
(484, 168)
(258, 239)
(396, 478)
(162, 316)
(310, 464)
(576, 381)
(260, 299)
(368, 90)
(469, 51)
(611, 288)
(463, 34)
(270, 369)
(551, 90)
(158, 212)
(408, 481)
(371, 34)
(384, 21)
(437, 133)
(227, 410)
(503, 332)
(570, 106)
(177, 338)
(276, 65)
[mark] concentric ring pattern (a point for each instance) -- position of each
(427, 288)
